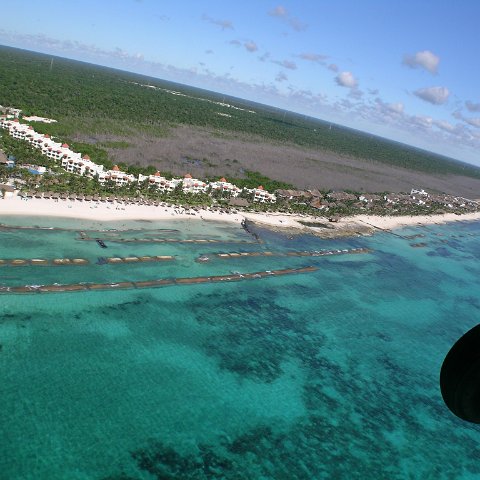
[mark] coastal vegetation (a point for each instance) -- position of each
(109, 101)
(57, 183)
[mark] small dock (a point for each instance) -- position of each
(82, 287)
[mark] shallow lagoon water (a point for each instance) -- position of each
(331, 374)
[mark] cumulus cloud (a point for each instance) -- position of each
(286, 64)
(472, 107)
(474, 122)
(396, 107)
(278, 11)
(433, 95)
(446, 126)
(346, 79)
(223, 24)
(281, 12)
(384, 113)
(41, 43)
(424, 59)
(355, 93)
(251, 46)
(313, 57)
(264, 57)
(281, 77)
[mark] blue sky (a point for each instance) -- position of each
(404, 69)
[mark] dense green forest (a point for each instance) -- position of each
(87, 99)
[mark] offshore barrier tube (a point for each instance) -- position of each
(76, 287)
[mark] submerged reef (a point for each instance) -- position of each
(255, 345)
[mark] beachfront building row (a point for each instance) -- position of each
(75, 163)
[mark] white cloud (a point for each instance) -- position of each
(446, 126)
(355, 93)
(346, 79)
(281, 77)
(472, 107)
(422, 120)
(281, 12)
(264, 57)
(278, 11)
(333, 67)
(251, 46)
(424, 59)
(313, 57)
(223, 24)
(286, 64)
(433, 95)
(396, 107)
(474, 122)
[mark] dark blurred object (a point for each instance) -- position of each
(460, 377)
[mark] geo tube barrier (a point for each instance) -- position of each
(77, 287)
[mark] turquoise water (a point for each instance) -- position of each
(331, 374)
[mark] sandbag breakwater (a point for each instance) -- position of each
(292, 253)
(56, 262)
(165, 240)
(78, 287)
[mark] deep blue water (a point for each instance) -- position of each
(331, 374)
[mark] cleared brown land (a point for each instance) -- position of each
(211, 154)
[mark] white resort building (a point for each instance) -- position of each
(74, 163)
(262, 196)
(115, 175)
(223, 186)
(159, 182)
(193, 185)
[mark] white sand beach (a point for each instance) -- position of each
(363, 224)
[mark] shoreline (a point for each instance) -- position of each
(286, 223)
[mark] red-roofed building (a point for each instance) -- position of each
(262, 196)
(117, 176)
(193, 185)
(160, 183)
(225, 187)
